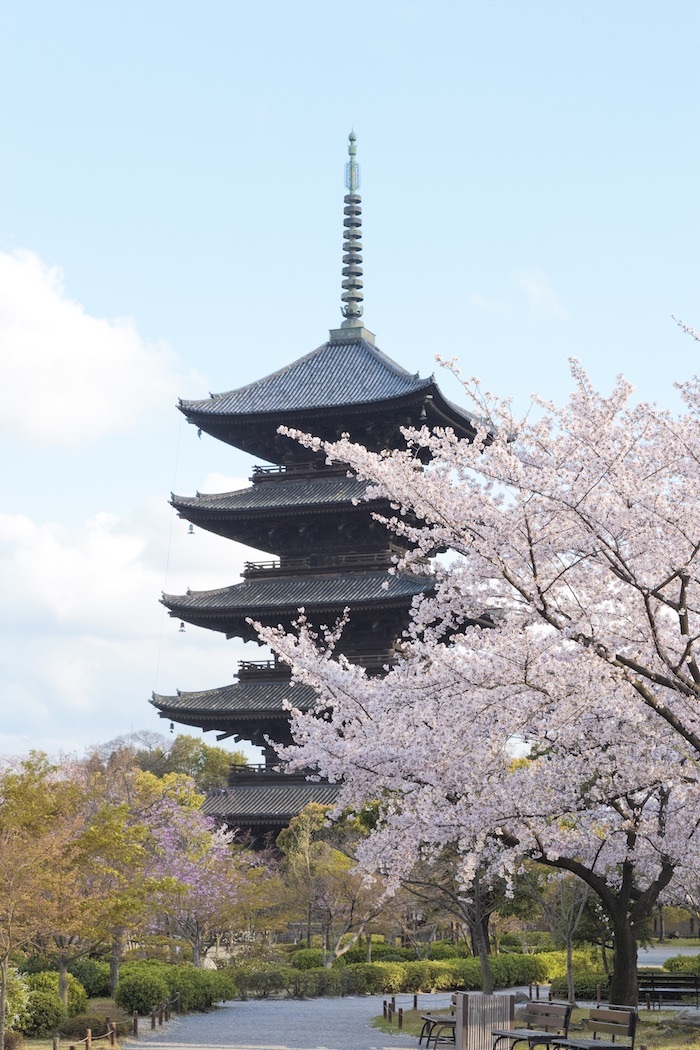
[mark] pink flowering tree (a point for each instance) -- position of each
(201, 874)
(545, 704)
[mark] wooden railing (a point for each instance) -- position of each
(321, 563)
(296, 469)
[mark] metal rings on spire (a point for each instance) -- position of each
(352, 296)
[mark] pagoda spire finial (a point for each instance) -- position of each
(352, 242)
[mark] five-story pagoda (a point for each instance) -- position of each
(329, 554)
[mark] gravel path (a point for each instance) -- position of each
(285, 1024)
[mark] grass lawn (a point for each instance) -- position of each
(657, 1029)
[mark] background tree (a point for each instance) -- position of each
(159, 754)
(36, 808)
(325, 882)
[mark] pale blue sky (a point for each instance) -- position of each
(530, 192)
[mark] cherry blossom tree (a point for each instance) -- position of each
(545, 704)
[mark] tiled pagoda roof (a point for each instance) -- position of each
(272, 804)
(242, 700)
(296, 493)
(291, 593)
(336, 374)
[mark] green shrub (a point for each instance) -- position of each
(585, 986)
(141, 989)
(93, 975)
(76, 1027)
(37, 964)
(448, 950)
(16, 999)
(45, 1013)
(392, 977)
(514, 969)
(198, 989)
(465, 974)
(683, 964)
(264, 981)
(362, 979)
(306, 959)
(585, 960)
(328, 981)
(381, 952)
(47, 981)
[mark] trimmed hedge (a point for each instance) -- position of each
(585, 986)
(144, 985)
(683, 964)
(389, 978)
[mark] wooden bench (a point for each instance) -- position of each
(538, 1024)
(614, 1022)
(439, 1027)
(655, 988)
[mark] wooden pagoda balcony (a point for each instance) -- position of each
(319, 563)
(261, 773)
(271, 669)
(315, 468)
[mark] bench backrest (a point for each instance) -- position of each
(662, 980)
(550, 1017)
(614, 1022)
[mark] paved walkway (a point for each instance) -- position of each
(285, 1024)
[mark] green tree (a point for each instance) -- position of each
(37, 807)
(320, 872)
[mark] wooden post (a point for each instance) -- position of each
(167, 1009)
(56, 1042)
(113, 1033)
(393, 1003)
(135, 1022)
(415, 1002)
(648, 1001)
(400, 1017)
(390, 1014)
(153, 1017)
(385, 1010)
(160, 1014)
(88, 1039)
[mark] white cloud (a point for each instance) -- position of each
(83, 638)
(541, 298)
(64, 375)
(541, 301)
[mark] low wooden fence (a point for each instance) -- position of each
(160, 1013)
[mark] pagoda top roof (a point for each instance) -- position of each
(267, 803)
(239, 699)
(338, 373)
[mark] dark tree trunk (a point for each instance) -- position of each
(115, 958)
(480, 937)
(623, 983)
